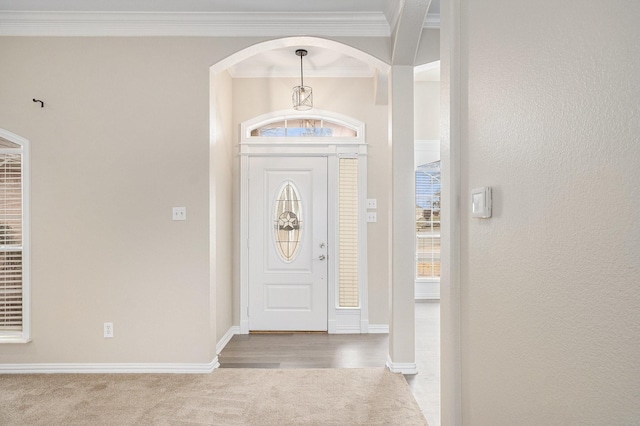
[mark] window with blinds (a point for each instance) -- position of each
(11, 232)
(428, 220)
(348, 233)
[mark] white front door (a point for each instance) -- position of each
(288, 243)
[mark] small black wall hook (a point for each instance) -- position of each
(41, 103)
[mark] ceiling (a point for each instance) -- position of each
(282, 62)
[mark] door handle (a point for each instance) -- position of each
(322, 257)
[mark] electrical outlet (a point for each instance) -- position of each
(108, 330)
(179, 213)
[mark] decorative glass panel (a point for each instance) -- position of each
(287, 223)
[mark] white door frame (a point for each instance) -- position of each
(340, 320)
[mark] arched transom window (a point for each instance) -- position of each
(319, 127)
(308, 127)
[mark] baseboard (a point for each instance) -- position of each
(402, 367)
(109, 368)
(347, 329)
(233, 330)
(378, 328)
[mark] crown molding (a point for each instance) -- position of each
(393, 12)
(216, 24)
(432, 20)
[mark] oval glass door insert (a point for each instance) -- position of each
(287, 221)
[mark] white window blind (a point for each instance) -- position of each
(348, 233)
(428, 220)
(11, 225)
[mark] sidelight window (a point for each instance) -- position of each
(348, 233)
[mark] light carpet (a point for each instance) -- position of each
(370, 396)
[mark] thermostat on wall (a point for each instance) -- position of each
(481, 202)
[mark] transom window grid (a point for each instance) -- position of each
(428, 192)
(304, 127)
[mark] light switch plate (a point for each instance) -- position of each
(481, 202)
(179, 213)
(372, 217)
(372, 203)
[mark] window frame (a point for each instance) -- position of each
(23, 336)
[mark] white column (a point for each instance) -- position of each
(402, 308)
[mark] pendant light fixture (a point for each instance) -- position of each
(302, 95)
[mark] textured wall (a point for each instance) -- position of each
(549, 287)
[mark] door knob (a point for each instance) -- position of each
(321, 245)
(322, 257)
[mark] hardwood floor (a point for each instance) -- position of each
(314, 350)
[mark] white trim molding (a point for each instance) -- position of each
(432, 20)
(233, 330)
(200, 24)
(84, 368)
(378, 328)
(402, 367)
(24, 335)
(194, 24)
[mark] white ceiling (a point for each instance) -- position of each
(320, 62)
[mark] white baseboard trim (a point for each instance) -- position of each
(378, 328)
(110, 368)
(402, 367)
(233, 330)
(347, 329)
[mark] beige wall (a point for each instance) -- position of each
(122, 138)
(549, 285)
(352, 97)
(222, 160)
(125, 136)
